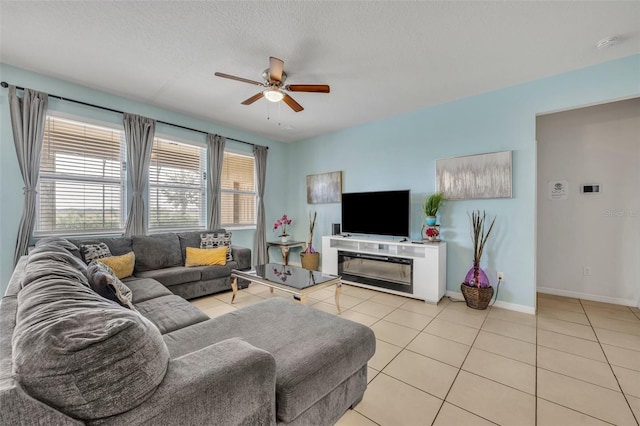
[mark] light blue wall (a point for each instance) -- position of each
(11, 197)
(400, 153)
(395, 153)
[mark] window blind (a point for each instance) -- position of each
(177, 199)
(82, 179)
(238, 190)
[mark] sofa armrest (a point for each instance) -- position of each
(242, 256)
(227, 383)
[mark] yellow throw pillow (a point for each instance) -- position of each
(206, 257)
(121, 265)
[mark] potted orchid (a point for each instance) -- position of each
(310, 258)
(282, 223)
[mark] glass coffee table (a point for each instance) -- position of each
(291, 279)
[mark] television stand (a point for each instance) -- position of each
(396, 267)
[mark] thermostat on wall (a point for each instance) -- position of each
(590, 188)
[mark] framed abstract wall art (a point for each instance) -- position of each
(324, 188)
(475, 176)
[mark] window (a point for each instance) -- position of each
(238, 190)
(82, 179)
(177, 186)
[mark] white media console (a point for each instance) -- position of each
(357, 258)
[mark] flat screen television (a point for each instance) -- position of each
(376, 213)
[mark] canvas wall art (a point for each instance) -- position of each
(324, 188)
(475, 176)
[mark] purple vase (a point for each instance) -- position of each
(476, 274)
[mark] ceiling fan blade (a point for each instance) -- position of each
(318, 88)
(253, 98)
(292, 103)
(233, 77)
(276, 66)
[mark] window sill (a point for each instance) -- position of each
(239, 227)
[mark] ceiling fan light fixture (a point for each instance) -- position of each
(273, 95)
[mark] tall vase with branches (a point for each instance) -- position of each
(310, 258)
(479, 238)
(312, 226)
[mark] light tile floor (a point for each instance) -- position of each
(575, 363)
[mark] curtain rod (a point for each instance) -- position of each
(5, 85)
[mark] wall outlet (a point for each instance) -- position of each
(586, 271)
(500, 276)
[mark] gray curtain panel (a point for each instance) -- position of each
(260, 243)
(139, 133)
(215, 152)
(28, 117)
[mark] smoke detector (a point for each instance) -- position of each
(607, 42)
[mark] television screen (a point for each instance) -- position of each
(376, 213)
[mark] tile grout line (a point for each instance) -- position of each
(574, 378)
(576, 411)
(460, 369)
(610, 366)
(403, 348)
(395, 356)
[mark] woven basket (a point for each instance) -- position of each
(476, 297)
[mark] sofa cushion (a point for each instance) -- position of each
(121, 265)
(82, 354)
(157, 252)
(314, 351)
(206, 257)
(170, 313)
(216, 271)
(192, 239)
(117, 246)
(172, 276)
(145, 289)
(104, 281)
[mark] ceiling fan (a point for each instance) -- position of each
(275, 89)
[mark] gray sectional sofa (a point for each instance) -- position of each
(68, 356)
(162, 257)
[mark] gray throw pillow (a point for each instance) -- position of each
(215, 240)
(94, 251)
(103, 281)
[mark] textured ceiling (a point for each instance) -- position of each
(380, 58)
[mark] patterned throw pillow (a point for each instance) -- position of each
(103, 281)
(215, 240)
(91, 252)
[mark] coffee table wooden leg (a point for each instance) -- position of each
(234, 288)
(338, 292)
(271, 289)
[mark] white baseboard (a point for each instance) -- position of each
(499, 304)
(586, 296)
